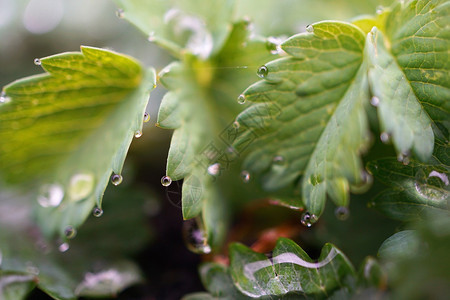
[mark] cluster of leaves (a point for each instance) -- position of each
(313, 115)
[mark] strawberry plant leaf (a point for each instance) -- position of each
(196, 26)
(402, 244)
(409, 77)
(289, 270)
(320, 90)
(416, 259)
(217, 280)
(200, 106)
(289, 273)
(416, 188)
(85, 268)
(69, 128)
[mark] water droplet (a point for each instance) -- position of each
(151, 37)
(116, 179)
(138, 134)
(375, 101)
(308, 219)
(385, 137)
(342, 213)
(3, 97)
(63, 247)
(146, 117)
(119, 13)
(81, 185)
(166, 181)
(262, 72)
(241, 99)
(214, 169)
(51, 195)
(379, 9)
(37, 61)
(195, 237)
(70, 232)
(404, 158)
(236, 125)
(310, 28)
(245, 175)
(97, 212)
(278, 159)
(433, 186)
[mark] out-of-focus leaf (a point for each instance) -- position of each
(94, 263)
(402, 244)
(371, 274)
(15, 286)
(289, 270)
(275, 17)
(408, 74)
(109, 281)
(68, 129)
(424, 273)
(200, 106)
(197, 26)
(309, 116)
(416, 188)
(218, 282)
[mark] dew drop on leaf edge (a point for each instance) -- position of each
(97, 212)
(166, 181)
(404, 158)
(119, 13)
(116, 179)
(241, 99)
(308, 219)
(375, 101)
(214, 169)
(310, 28)
(262, 72)
(146, 117)
(3, 97)
(138, 134)
(37, 62)
(385, 137)
(278, 159)
(51, 195)
(70, 232)
(63, 247)
(245, 176)
(195, 237)
(342, 213)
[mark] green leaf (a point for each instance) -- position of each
(289, 270)
(321, 127)
(85, 268)
(199, 27)
(417, 260)
(400, 245)
(218, 282)
(15, 286)
(416, 188)
(409, 74)
(68, 129)
(200, 106)
(371, 274)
